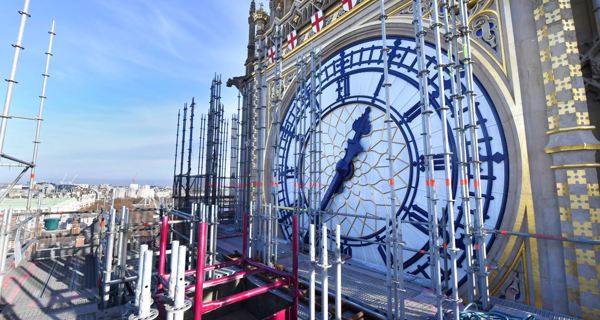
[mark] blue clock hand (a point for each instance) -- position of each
(344, 169)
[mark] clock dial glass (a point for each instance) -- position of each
(351, 82)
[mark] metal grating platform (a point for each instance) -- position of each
(368, 289)
(64, 288)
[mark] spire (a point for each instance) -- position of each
(251, 38)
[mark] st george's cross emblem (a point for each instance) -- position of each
(292, 39)
(271, 54)
(316, 20)
(348, 4)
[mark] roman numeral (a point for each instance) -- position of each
(404, 54)
(343, 87)
(288, 173)
(438, 162)
(286, 131)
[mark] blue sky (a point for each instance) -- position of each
(120, 71)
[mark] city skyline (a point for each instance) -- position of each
(119, 73)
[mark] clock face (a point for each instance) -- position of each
(352, 84)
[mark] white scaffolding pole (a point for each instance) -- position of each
(457, 98)
(426, 113)
(480, 243)
(194, 214)
(395, 268)
(108, 259)
(145, 311)
(180, 284)
(36, 141)
(212, 241)
(324, 274)
(138, 285)
(338, 274)
(251, 243)
(122, 250)
(269, 234)
(13, 72)
(312, 273)
(173, 273)
(451, 245)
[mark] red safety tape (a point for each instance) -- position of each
(431, 183)
(464, 182)
(447, 182)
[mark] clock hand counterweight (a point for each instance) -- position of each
(344, 170)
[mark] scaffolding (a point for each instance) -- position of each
(449, 244)
(213, 183)
(457, 66)
(6, 115)
(256, 219)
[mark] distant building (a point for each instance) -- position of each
(119, 192)
(145, 192)
(132, 192)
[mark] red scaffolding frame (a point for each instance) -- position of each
(248, 268)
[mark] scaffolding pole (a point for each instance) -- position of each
(450, 246)
(38, 126)
(299, 139)
(314, 134)
(180, 184)
(276, 106)
(108, 259)
(201, 151)
(324, 275)
(189, 159)
(395, 268)
(479, 236)
(13, 72)
(176, 152)
(428, 161)
(312, 272)
(260, 142)
(233, 166)
(454, 68)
